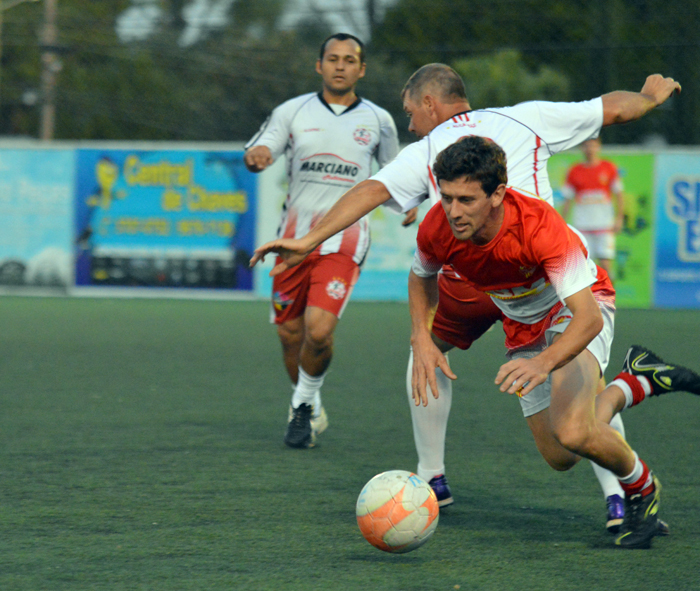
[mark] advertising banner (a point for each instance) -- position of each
(632, 273)
(677, 278)
(36, 217)
(164, 218)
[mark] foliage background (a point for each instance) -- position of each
(214, 69)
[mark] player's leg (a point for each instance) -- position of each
(586, 431)
(289, 294)
(602, 249)
(332, 278)
(315, 357)
(578, 429)
(609, 483)
(463, 315)
(430, 429)
(291, 335)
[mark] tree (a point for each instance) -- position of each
(599, 45)
(503, 79)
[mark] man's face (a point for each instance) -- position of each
(469, 210)
(341, 67)
(421, 123)
(591, 149)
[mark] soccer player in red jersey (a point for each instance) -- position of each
(594, 188)
(435, 100)
(558, 309)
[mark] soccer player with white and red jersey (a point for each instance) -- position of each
(330, 139)
(435, 100)
(558, 309)
(594, 188)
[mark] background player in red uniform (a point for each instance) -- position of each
(558, 311)
(330, 139)
(594, 189)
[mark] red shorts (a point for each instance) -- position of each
(463, 313)
(323, 281)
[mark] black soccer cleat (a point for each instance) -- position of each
(641, 522)
(299, 433)
(662, 376)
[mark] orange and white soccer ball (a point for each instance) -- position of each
(397, 511)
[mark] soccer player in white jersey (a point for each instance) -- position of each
(330, 139)
(558, 309)
(435, 100)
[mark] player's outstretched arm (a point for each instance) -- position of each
(292, 252)
(422, 304)
(353, 205)
(622, 106)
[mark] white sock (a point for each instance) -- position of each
(430, 424)
(609, 482)
(636, 473)
(307, 390)
(317, 404)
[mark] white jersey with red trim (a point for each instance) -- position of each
(529, 134)
(327, 154)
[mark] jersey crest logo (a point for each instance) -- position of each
(362, 136)
(336, 288)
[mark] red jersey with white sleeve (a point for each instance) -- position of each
(530, 267)
(327, 154)
(529, 133)
(592, 189)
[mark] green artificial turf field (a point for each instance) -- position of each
(142, 449)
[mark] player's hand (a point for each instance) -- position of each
(410, 217)
(521, 376)
(426, 359)
(660, 88)
(291, 251)
(257, 158)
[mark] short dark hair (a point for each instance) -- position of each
(442, 80)
(343, 37)
(475, 158)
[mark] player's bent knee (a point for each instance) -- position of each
(573, 436)
(319, 337)
(290, 336)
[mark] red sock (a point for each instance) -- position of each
(644, 484)
(635, 385)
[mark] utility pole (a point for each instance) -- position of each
(371, 17)
(50, 67)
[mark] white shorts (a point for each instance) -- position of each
(601, 244)
(540, 397)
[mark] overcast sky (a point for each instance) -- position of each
(140, 20)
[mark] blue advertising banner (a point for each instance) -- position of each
(164, 218)
(36, 217)
(677, 276)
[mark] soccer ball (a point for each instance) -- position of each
(397, 511)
